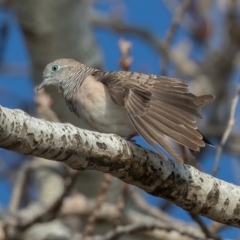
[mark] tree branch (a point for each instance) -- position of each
(183, 185)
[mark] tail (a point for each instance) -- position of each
(202, 101)
(206, 140)
(205, 99)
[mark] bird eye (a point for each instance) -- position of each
(55, 68)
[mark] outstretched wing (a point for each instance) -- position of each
(158, 107)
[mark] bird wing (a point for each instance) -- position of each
(158, 107)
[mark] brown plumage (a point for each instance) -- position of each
(130, 103)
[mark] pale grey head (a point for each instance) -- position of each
(62, 71)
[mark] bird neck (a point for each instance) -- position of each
(69, 87)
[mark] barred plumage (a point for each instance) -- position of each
(129, 103)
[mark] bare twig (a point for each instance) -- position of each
(170, 34)
(121, 203)
(216, 227)
(204, 227)
(227, 132)
(141, 203)
(44, 109)
(105, 22)
(184, 64)
(32, 214)
(100, 200)
(136, 228)
(125, 60)
(18, 188)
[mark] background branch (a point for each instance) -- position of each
(84, 150)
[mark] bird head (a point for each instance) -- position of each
(57, 71)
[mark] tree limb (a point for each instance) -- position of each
(183, 185)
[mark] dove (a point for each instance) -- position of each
(158, 108)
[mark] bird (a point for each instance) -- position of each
(128, 104)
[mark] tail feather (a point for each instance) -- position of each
(205, 99)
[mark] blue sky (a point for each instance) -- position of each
(16, 91)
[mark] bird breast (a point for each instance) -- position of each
(95, 106)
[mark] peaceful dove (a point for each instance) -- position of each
(130, 103)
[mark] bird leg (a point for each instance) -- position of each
(129, 138)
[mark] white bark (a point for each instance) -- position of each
(184, 185)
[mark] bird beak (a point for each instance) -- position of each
(42, 84)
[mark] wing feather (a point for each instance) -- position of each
(159, 107)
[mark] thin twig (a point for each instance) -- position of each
(100, 200)
(18, 188)
(181, 61)
(227, 132)
(141, 203)
(44, 109)
(216, 227)
(107, 22)
(204, 227)
(121, 203)
(138, 228)
(43, 213)
(171, 32)
(81, 206)
(126, 60)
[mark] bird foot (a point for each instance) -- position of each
(129, 138)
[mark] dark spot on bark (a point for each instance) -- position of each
(236, 211)
(96, 136)
(4, 117)
(212, 199)
(101, 146)
(201, 179)
(12, 126)
(98, 161)
(144, 173)
(194, 198)
(77, 140)
(57, 154)
(80, 168)
(168, 188)
(68, 155)
(153, 169)
(14, 145)
(233, 221)
(226, 203)
(116, 166)
(44, 151)
(64, 139)
(32, 141)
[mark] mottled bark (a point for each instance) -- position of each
(183, 185)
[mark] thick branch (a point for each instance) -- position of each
(80, 149)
